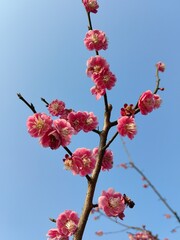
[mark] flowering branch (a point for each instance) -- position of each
(132, 164)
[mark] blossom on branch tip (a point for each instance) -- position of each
(38, 124)
(112, 203)
(91, 5)
(67, 223)
(95, 40)
(126, 127)
(56, 107)
(148, 102)
(107, 162)
(160, 66)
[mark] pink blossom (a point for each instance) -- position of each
(90, 122)
(106, 79)
(77, 120)
(67, 223)
(51, 139)
(56, 107)
(98, 92)
(112, 203)
(65, 113)
(54, 234)
(99, 233)
(81, 162)
(127, 126)
(107, 162)
(157, 101)
(65, 130)
(127, 110)
(142, 236)
(96, 40)
(95, 65)
(160, 66)
(146, 102)
(38, 124)
(123, 165)
(73, 164)
(91, 5)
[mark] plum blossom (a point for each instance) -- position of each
(127, 126)
(38, 124)
(106, 79)
(98, 92)
(56, 107)
(81, 162)
(95, 65)
(67, 223)
(54, 234)
(99, 233)
(142, 236)
(96, 40)
(87, 160)
(91, 5)
(157, 101)
(146, 102)
(51, 139)
(64, 129)
(77, 120)
(127, 110)
(112, 203)
(73, 164)
(160, 66)
(90, 123)
(107, 162)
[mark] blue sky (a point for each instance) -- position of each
(42, 55)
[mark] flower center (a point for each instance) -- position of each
(70, 225)
(113, 202)
(39, 124)
(95, 38)
(86, 161)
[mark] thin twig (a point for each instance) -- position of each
(30, 105)
(149, 182)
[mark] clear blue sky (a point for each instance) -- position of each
(42, 55)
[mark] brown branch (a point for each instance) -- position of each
(44, 100)
(132, 164)
(30, 105)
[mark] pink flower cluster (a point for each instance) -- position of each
(142, 236)
(96, 40)
(91, 5)
(56, 133)
(98, 70)
(112, 203)
(67, 223)
(126, 126)
(82, 121)
(107, 162)
(81, 162)
(148, 102)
